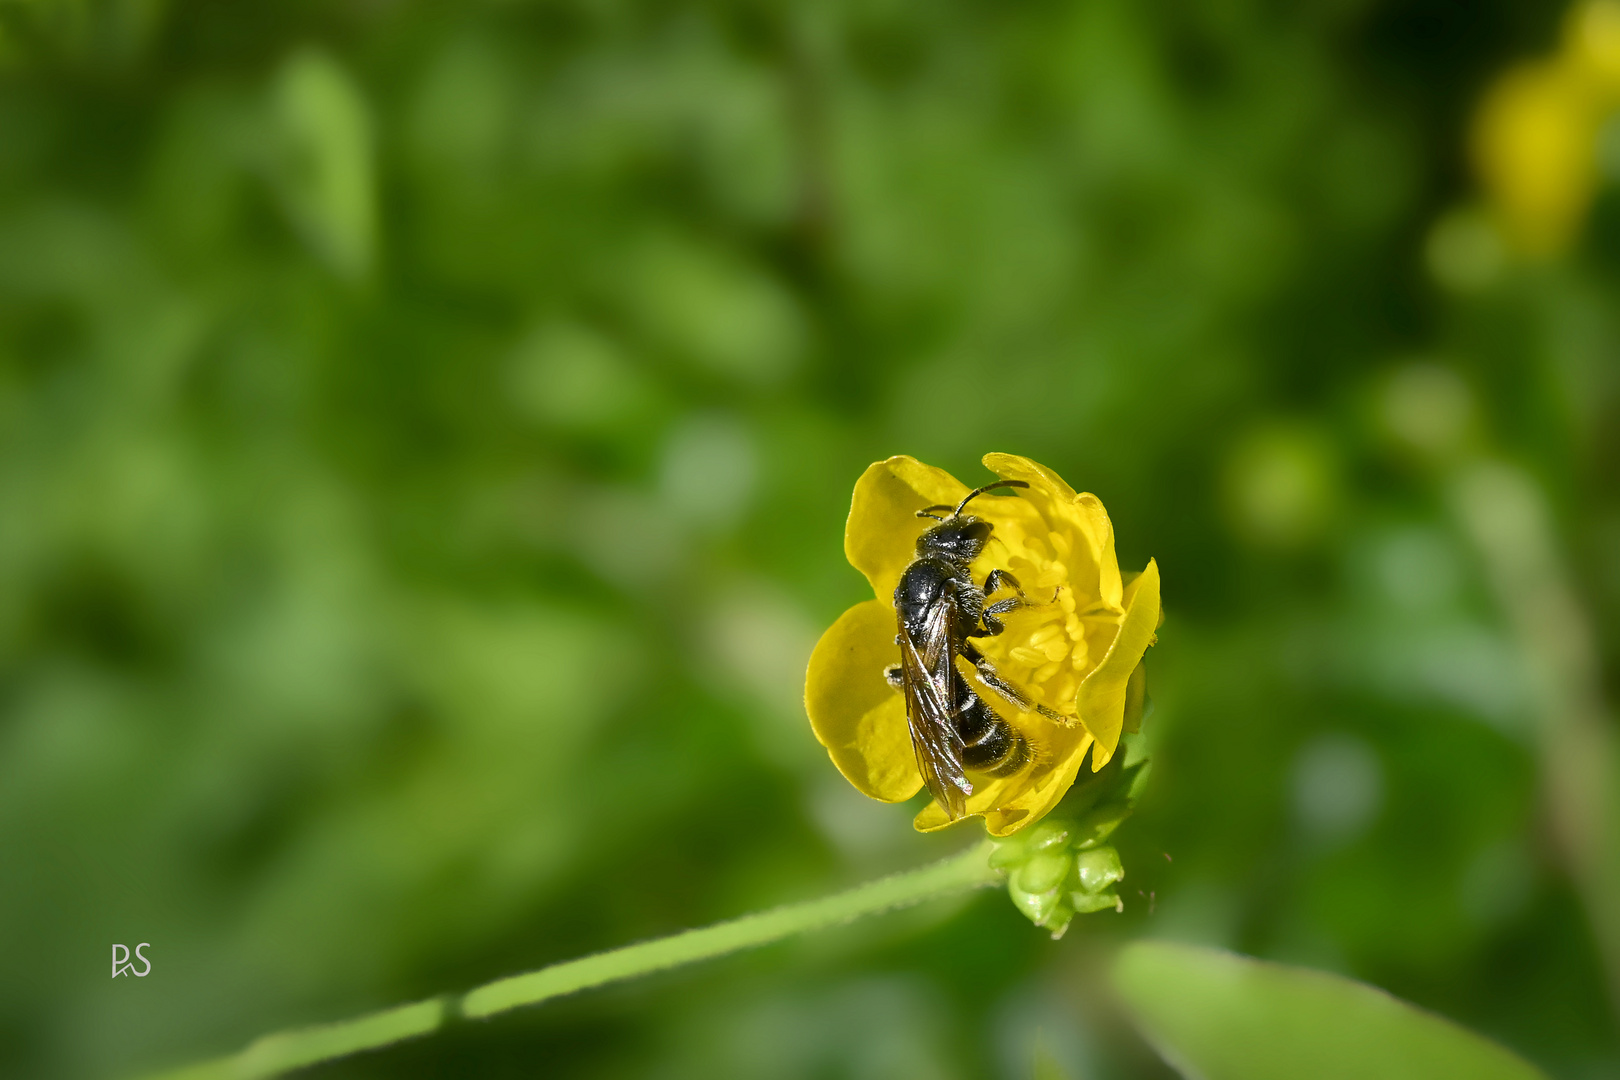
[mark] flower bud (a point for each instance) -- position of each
(1043, 871)
(1097, 869)
(1060, 866)
(1064, 871)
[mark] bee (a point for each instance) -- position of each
(940, 610)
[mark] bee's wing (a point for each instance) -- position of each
(928, 711)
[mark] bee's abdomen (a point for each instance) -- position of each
(989, 744)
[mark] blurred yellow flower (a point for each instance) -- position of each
(1536, 134)
(1535, 144)
(1075, 649)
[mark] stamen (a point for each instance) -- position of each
(1046, 633)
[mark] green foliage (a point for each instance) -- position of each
(321, 160)
(1223, 1017)
(426, 432)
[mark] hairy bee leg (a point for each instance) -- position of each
(997, 578)
(992, 624)
(891, 675)
(992, 678)
(1056, 717)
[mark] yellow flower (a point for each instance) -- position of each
(1538, 128)
(1535, 146)
(1075, 649)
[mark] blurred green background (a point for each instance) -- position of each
(426, 432)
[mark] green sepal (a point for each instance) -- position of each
(1100, 824)
(1137, 704)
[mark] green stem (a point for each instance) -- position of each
(285, 1050)
(1507, 515)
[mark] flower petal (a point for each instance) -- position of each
(855, 713)
(1084, 514)
(880, 537)
(1103, 693)
(1037, 476)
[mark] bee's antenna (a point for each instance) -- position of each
(976, 492)
(924, 512)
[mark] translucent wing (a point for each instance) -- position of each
(926, 676)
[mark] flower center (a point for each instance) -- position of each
(1044, 648)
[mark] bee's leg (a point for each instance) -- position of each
(992, 624)
(997, 578)
(992, 678)
(891, 674)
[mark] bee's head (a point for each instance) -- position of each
(959, 539)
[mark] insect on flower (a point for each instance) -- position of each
(940, 610)
(1019, 654)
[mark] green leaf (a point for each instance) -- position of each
(1217, 1016)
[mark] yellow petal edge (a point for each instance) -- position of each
(880, 538)
(855, 713)
(1103, 692)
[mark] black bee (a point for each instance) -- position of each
(940, 609)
